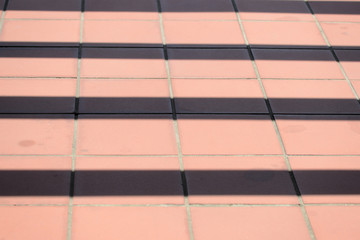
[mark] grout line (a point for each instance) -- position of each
(73, 163)
(2, 18)
(332, 50)
(291, 173)
(176, 129)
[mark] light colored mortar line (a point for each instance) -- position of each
(35, 155)
(332, 50)
(303, 210)
(176, 129)
(34, 205)
(32, 77)
(115, 78)
(122, 156)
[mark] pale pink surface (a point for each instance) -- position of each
(327, 179)
(272, 187)
(122, 32)
(228, 136)
(38, 62)
(41, 31)
(203, 32)
(37, 87)
(98, 135)
(320, 135)
(342, 34)
(33, 222)
(210, 63)
(301, 64)
(123, 63)
(60, 183)
(283, 33)
(356, 84)
(36, 136)
(130, 223)
(335, 222)
(311, 96)
(350, 61)
(248, 223)
(169, 183)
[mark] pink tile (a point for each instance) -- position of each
(320, 134)
(342, 34)
(356, 85)
(199, 33)
(327, 179)
(273, 10)
(311, 96)
(33, 222)
(38, 62)
(300, 63)
(123, 63)
(227, 134)
(210, 63)
(334, 10)
(130, 223)
(137, 180)
(35, 95)
(121, 9)
(284, 34)
(127, 134)
(36, 134)
(198, 9)
(350, 61)
(124, 95)
(44, 9)
(241, 180)
(122, 33)
(39, 32)
(218, 95)
(248, 222)
(35, 180)
(335, 222)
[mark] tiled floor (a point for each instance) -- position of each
(189, 120)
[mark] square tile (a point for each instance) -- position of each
(40, 33)
(130, 223)
(350, 60)
(44, 9)
(124, 96)
(126, 134)
(297, 63)
(36, 134)
(123, 63)
(342, 34)
(38, 62)
(33, 222)
(275, 10)
(335, 11)
(218, 96)
(135, 180)
(36, 95)
(238, 180)
(327, 179)
(248, 222)
(202, 33)
(311, 96)
(318, 134)
(35, 180)
(123, 33)
(227, 134)
(284, 34)
(121, 9)
(335, 222)
(198, 9)
(210, 63)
